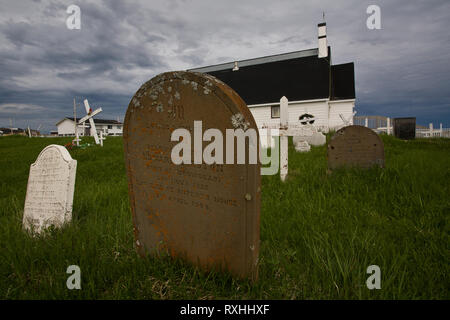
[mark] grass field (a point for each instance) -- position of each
(319, 232)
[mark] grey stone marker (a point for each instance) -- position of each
(316, 138)
(302, 146)
(355, 146)
(50, 189)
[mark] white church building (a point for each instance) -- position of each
(313, 86)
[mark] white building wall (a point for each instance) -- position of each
(262, 116)
(319, 109)
(67, 128)
(116, 130)
(344, 107)
(327, 113)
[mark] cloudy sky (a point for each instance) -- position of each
(401, 70)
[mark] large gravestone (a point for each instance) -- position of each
(206, 214)
(50, 189)
(355, 146)
(405, 128)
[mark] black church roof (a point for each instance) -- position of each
(343, 81)
(299, 75)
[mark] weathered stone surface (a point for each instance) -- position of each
(315, 139)
(50, 189)
(207, 214)
(405, 128)
(355, 146)
(302, 146)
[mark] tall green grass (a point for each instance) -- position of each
(319, 231)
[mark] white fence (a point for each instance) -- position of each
(433, 133)
(381, 124)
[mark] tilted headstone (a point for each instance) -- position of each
(355, 146)
(50, 189)
(405, 128)
(206, 214)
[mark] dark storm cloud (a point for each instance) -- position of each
(400, 70)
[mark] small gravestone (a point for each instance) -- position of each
(50, 189)
(355, 146)
(206, 214)
(405, 128)
(302, 146)
(316, 138)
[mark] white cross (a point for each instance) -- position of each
(83, 126)
(77, 140)
(286, 130)
(91, 120)
(101, 138)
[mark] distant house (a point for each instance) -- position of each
(313, 86)
(11, 131)
(66, 127)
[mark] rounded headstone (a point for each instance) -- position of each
(50, 189)
(206, 214)
(355, 146)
